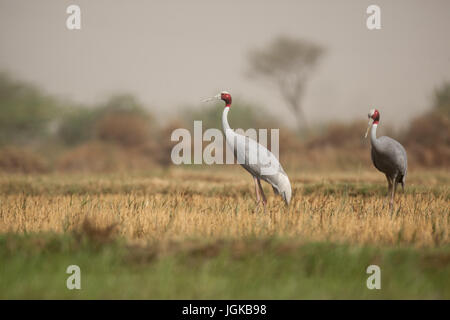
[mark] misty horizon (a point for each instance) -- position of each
(172, 55)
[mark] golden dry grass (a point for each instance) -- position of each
(209, 204)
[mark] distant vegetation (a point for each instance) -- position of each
(163, 232)
(40, 133)
(26, 113)
(287, 64)
(428, 136)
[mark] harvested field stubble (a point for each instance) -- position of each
(210, 205)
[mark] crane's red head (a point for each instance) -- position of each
(374, 115)
(225, 96)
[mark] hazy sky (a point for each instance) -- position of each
(174, 53)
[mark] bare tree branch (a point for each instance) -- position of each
(287, 64)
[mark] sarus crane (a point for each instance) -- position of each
(255, 158)
(388, 156)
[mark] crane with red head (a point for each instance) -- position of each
(388, 156)
(257, 159)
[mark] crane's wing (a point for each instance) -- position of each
(390, 156)
(261, 163)
(374, 160)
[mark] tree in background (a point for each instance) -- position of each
(77, 125)
(428, 138)
(121, 119)
(287, 63)
(123, 103)
(441, 101)
(26, 113)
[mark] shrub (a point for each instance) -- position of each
(127, 130)
(26, 112)
(98, 156)
(16, 160)
(441, 99)
(162, 150)
(121, 119)
(92, 157)
(428, 140)
(340, 135)
(77, 125)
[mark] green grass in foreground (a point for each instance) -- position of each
(34, 267)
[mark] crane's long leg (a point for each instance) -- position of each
(393, 186)
(264, 200)
(391, 204)
(389, 186)
(389, 193)
(258, 198)
(401, 181)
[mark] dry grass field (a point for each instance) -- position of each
(205, 204)
(205, 211)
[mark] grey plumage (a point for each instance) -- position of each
(255, 158)
(278, 179)
(388, 156)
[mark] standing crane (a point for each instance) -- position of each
(255, 158)
(388, 156)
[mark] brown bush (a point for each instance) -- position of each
(289, 142)
(16, 160)
(128, 130)
(341, 135)
(92, 157)
(98, 156)
(162, 151)
(428, 140)
(339, 145)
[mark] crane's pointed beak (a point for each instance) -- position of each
(368, 128)
(216, 97)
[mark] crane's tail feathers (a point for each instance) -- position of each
(286, 198)
(281, 186)
(285, 189)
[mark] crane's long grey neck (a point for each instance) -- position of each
(373, 135)
(225, 124)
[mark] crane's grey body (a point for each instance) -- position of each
(258, 161)
(389, 157)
